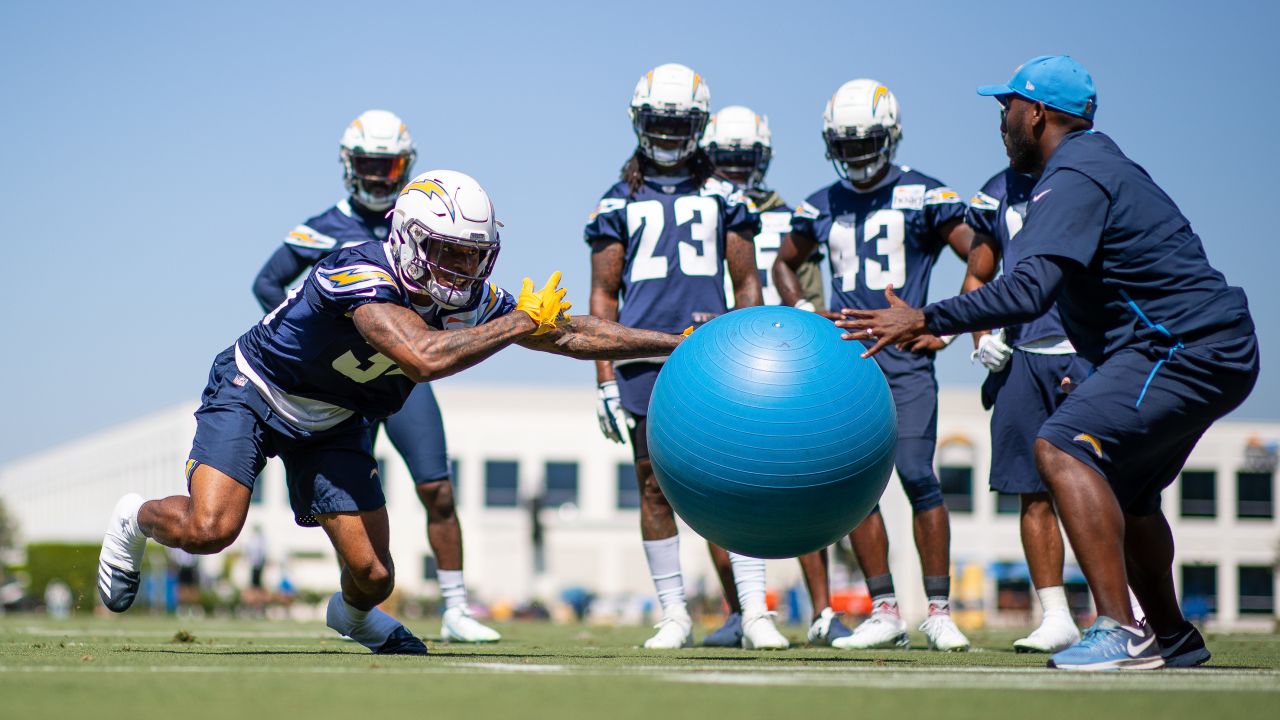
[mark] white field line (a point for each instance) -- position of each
(869, 678)
(325, 634)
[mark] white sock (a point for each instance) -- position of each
(888, 602)
(664, 566)
(1053, 600)
(452, 589)
(748, 576)
(370, 628)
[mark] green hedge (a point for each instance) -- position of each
(75, 564)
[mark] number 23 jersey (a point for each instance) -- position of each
(889, 236)
(674, 235)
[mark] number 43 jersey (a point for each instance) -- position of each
(674, 234)
(888, 236)
(313, 366)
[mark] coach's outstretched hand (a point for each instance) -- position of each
(546, 306)
(899, 323)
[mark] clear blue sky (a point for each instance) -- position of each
(157, 153)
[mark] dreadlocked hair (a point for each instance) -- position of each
(637, 166)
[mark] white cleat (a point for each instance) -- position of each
(881, 630)
(759, 633)
(1056, 632)
(675, 631)
(459, 625)
(120, 561)
(943, 634)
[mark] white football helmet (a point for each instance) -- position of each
(668, 112)
(861, 128)
(377, 156)
(739, 145)
(444, 237)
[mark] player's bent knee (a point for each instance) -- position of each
(924, 494)
(207, 536)
(437, 499)
(373, 577)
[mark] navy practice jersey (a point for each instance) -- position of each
(775, 223)
(1132, 273)
(313, 365)
(341, 226)
(998, 211)
(889, 236)
(674, 235)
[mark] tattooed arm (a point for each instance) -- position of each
(424, 354)
(587, 337)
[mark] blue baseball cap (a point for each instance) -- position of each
(1055, 80)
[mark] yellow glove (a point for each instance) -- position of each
(546, 306)
(687, 331)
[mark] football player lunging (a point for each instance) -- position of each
(1033, 366)
(377, 156)
(738, 144)
(347, 347)
(659, 242)
(884, 226)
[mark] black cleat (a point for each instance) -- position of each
(1185, 650)
(402, 642)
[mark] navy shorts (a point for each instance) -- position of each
(635, 385)
(1021, 399)
(1139, 415)
(915, 395)
(329, 471)
(417, 432)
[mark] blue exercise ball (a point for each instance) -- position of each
(769, 434)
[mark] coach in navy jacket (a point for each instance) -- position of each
(1173, 344)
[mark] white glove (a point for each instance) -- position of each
(614, 419)
(992, 352)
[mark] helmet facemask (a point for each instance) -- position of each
(859, 154)
(375, 178)
(447, 269)
(668, 137)
(740, 165)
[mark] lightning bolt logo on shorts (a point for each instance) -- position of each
(1091, 441)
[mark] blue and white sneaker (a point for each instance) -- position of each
(1108, 645)
(727, 635)
(1185, 650)
(826, 627)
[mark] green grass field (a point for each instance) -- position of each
(143, 667)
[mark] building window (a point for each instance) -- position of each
(453, 478)
(430, 571)
(562, 484)
(957, 488)
(1198, 493)
(628, 488)
(1199, 590)
(501, 483)
(1008, 503)
(1257, 590)
(955, 473)
(1253, 494)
